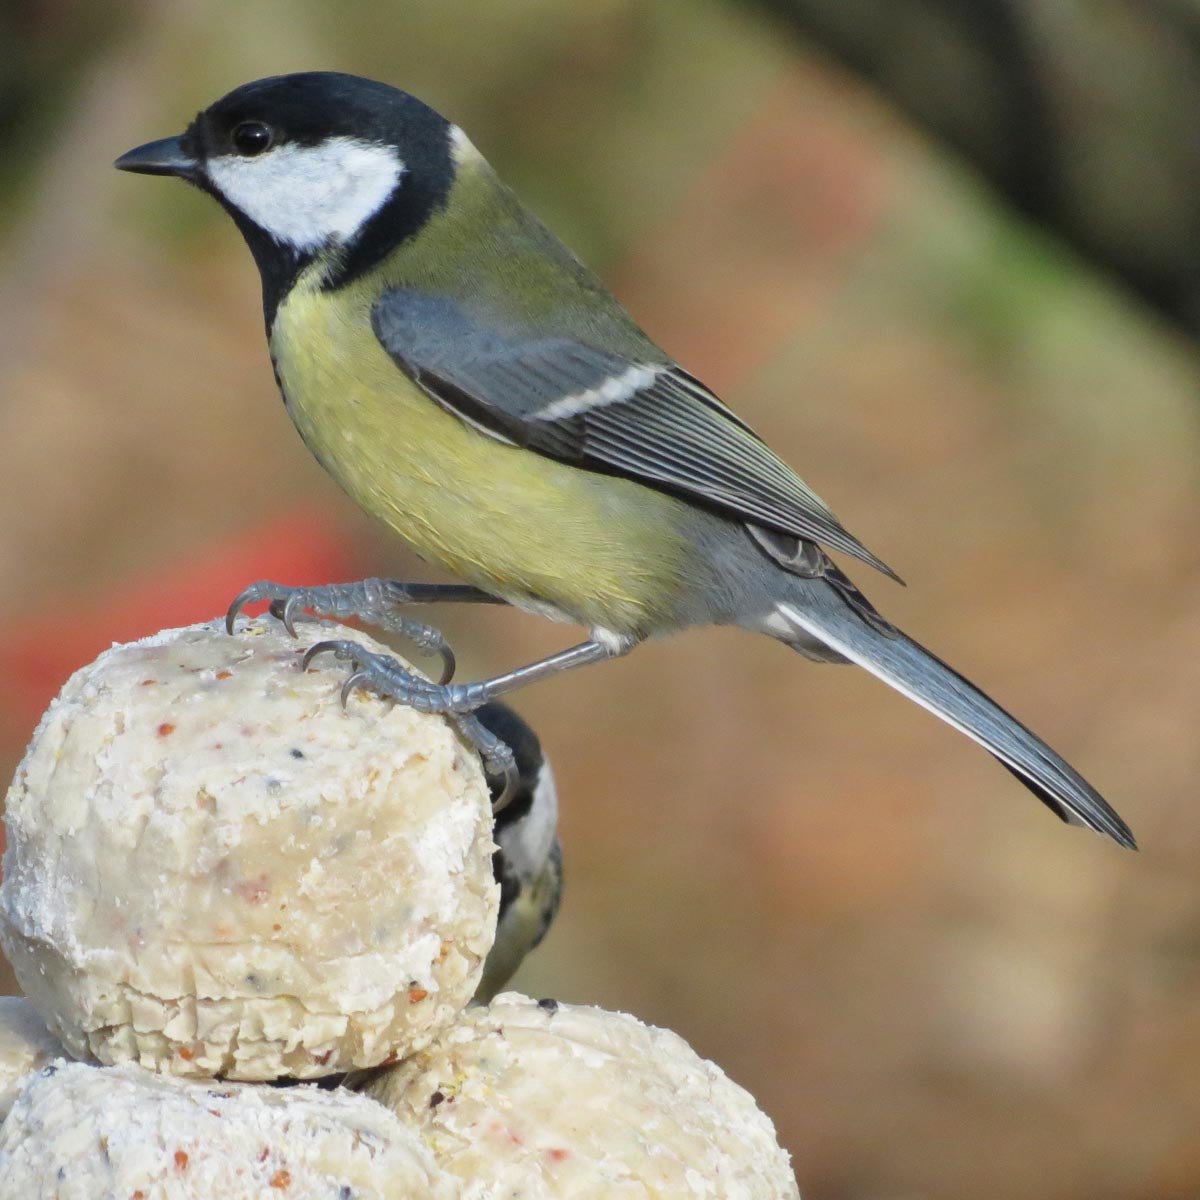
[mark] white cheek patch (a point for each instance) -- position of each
(528, 841)
(308, 196)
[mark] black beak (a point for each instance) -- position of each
(164, 157)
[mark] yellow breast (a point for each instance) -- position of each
(603, 551)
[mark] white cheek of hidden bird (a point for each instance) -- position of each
(527, 843)
(309, 196)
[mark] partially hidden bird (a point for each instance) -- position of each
(528, 860)
(470, 382)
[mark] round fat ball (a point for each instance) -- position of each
(77, 1132)
(546, 1100)
(214, 869)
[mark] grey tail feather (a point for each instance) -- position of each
(924, 678)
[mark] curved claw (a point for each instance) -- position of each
(292, 606)
(327, 647)
(244, 597)
(508, 768)
(499, 761)
(431, 641)
(357, 679)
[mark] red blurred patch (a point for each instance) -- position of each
(41, 653)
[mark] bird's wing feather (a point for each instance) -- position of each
(600, 409)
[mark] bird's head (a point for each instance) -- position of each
(317, 165)
(526, 828)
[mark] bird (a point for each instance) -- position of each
(468, 381)
(527, 861)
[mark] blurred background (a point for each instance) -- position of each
(944, 255)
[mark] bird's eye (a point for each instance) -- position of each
(251, 138)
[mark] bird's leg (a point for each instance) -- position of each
(386, 677)
(383, 675)
(375, 601)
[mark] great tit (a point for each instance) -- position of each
(527, 862)
(467, 380)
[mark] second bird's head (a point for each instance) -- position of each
(315, 165)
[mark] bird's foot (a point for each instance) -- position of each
(390, 679)
(499, 761)
(374, 601)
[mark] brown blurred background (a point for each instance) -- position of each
(945, 256)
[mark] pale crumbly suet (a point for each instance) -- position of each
(539, 1099)
(213, 870)
(79, 1132)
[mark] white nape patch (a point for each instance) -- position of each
(310, 196)
(612, 391)
(462, 149)
(527, 843)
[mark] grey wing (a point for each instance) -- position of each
(602, 410)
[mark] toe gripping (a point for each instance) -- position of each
(376, 601)
(458, 701)
(385, 677)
